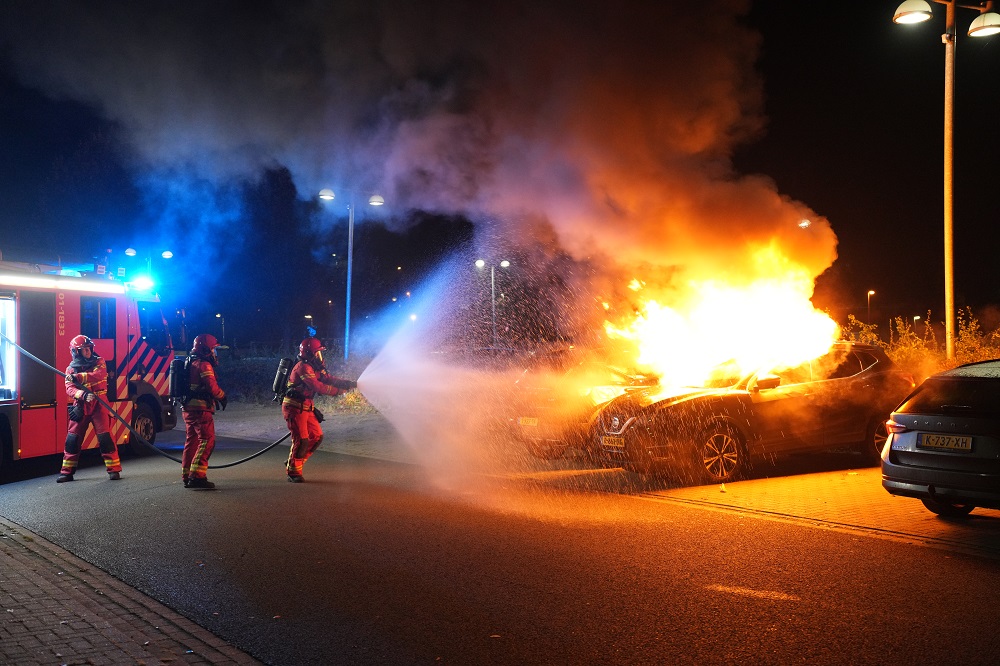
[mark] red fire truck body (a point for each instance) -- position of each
(41, 313)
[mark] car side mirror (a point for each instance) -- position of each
(768, 382)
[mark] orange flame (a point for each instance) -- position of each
(769, 323)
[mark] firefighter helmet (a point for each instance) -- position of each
(204, 345)
(311, 348)
(77, 344)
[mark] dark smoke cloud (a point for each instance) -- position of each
(603, 127)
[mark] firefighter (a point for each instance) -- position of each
(308, 377)
(199, 409)
(86, 380)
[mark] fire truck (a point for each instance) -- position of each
(41, 310)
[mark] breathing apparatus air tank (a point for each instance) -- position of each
(281, 379)
(178, 379)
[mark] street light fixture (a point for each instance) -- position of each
(987, 23)
(222, 321)
(871, 292)
(326, 194)
(481, 263)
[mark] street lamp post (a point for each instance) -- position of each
(986, 24)
(480, 263)
(871, 292)
(222, 322)
(327, 194)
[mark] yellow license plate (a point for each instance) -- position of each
(527, 421)
(928, 440)
(613, 442)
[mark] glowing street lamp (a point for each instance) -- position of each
(222, 321)
(986, 24)
(871, 292)
(481, 263)
(326, 194)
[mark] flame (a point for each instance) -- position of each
(769, 323)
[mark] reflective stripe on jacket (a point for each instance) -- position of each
(304, 383)
(204, 387)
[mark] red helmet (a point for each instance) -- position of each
(77, 344)
(204, 345)
(311, 348)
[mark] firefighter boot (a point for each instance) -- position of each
(296, 458)
(71, 456)
(110, 454)
(200, 483)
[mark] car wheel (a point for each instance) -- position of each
(546, 450)
(144, 423)
(948, 509)
(875, 435)
(721, 455)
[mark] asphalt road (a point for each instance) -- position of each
(373, 562)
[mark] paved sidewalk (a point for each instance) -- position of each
(58, 609)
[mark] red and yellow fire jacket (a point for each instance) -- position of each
(94, 380)
(304, 383)
(204, 387)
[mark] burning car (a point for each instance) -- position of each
(711, 433)
(557, 395)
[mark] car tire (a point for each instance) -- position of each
(721, 454)
(875, 435)
(948, 509)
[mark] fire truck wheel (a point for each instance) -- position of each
(144, 423)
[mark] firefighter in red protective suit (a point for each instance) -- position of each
(199, 410)
(86, 379)
(308, 378)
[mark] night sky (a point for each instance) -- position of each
(590, 141)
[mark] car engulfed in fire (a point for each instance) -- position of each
(714, 433)
(558, 393)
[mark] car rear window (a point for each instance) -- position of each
(959, 397)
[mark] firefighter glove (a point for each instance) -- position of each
(76, 413)
(318, 414)
(221, 403)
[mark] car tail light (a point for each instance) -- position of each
(895, 428)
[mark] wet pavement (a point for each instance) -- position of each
(58, 609)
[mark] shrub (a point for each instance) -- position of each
(249, 380)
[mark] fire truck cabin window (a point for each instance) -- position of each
(97, 317)
(8, 354)
(153, 326)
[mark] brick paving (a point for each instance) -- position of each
(58, 609)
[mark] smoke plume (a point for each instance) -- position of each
(602, 129)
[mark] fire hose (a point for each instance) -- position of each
(135, 434)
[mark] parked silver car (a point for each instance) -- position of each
(944, 441)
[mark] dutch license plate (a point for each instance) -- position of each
(613, 442)
(928, 440)
(527, 420)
